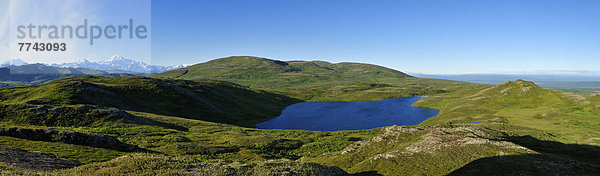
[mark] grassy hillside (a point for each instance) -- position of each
(196, 147)
(523, 127)
(267, 73)
(209, 100)
(316, 80)
(450, 150)
(167, 125)
(574, 118)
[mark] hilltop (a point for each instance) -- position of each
(316, 80)
(267, 73)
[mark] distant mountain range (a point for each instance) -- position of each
(41, 69)
(116, 64)
(547, 79)
(15, 62)
(36, 74)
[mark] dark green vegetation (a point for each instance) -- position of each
(208, 100)
(22, 159)
(194, 124)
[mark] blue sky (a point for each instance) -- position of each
(426, 36)
(423, 36)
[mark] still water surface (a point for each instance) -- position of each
(335, 116)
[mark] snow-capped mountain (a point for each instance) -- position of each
(15, 62)
(118, 64)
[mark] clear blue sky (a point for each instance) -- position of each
(425, 36)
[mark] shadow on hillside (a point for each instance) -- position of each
(367, 173)
(555, 158)
(581, 152)
(219, 103)
(147, 121)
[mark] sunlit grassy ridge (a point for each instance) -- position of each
(574, 118)
(266, 73)
(317, 80)
(416, 151)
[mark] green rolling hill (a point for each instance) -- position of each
(316, 80)
(208, 100)
(572, 117)
(273, 74)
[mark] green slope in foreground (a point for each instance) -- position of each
(524, 129)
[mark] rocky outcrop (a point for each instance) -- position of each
(69, 137)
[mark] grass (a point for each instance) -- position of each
(316, 80)
(203, 125)
(572, 117)
(187, 143)
(212, 141)
(84, 154)
(201, 141)
(75, 115)
(208, 100)
(406, 151)
(411, 150)
(163, 165)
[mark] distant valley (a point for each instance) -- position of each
(576, 82)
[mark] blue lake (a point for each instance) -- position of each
(335, 116)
